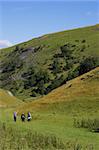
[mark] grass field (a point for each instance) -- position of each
(52, 126)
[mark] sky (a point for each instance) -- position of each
(22, 20)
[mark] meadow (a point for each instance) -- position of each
(53, 118)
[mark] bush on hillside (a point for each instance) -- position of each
(29, 72)
(17, 48)
(16, 85)
(68, 64)
(90, 124)
(83, 41)
(58, 81)
(40, 87)
(56, 66)
(66, 50)
(82, 48)
(13, 63)
(73, 73)
(42, 75)
(88, 64)
(37, 79)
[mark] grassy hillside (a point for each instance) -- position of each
(38, 66)
(58, 118)
(81, 91)
(7, 99)
(56, 112)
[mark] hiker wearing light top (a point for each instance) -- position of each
(15, 116)
(29, 116)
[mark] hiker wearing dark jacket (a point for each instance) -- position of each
(23, 117)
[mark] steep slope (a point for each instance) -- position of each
(40, 65)
(81, 93)
(7, 99)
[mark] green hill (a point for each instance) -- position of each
(38, 66)
(70, 111)
(63, 119)
(79, 95)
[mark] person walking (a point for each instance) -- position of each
(15, 116)
(29, 116)
(23, 117)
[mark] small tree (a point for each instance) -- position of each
(41, 88)
(17, 48)
(68, 64)
(58, 81)
(66, 50)
(73, 73)
(42, 75)
(88, 64)
(56, 67)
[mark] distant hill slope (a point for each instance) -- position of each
(79, 93)
(38, 66)
(7, 99)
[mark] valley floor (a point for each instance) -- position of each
(53, 123)
(53, 119)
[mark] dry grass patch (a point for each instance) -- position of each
(85, 85)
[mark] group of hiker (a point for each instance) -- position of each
(23, 117)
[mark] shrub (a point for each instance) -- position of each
(90, 124)
(56, 83)
(73, 73)
(42, 75)
(87, 64)
(12, 62)
(33, 78)
(68, 64)
(76, 40)
(83, 41)
(56, 67)
(41, 87)
(66, 50)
